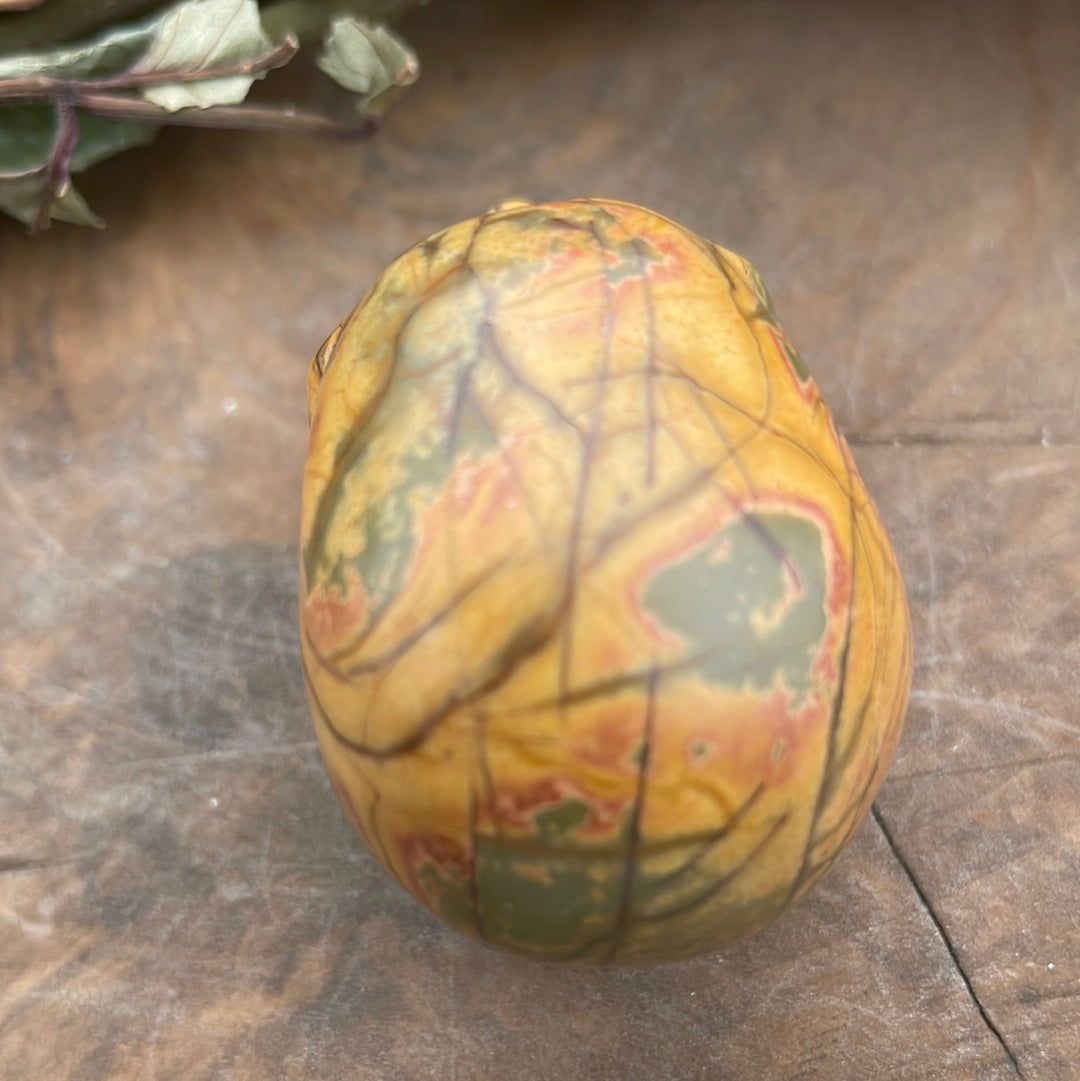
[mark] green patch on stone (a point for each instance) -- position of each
(551, 898)
(767, 313)
(391, 525)
(726, 601)
(533, 217)
(554, 823)
(633, 257)
(766, 308)
(472, 431)
(315, 553)
(554, 898)
(793, 358)
(389, 543)
(544, 903)
(390, 530)
(450, 896)
(545, 894)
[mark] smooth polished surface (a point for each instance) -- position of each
(180, 896)
(605, 646)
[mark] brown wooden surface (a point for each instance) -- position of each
(180, 897)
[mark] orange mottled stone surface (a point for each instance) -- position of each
(606, 646)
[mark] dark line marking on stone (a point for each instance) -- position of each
(350, 448)
(332, 662)
(762, 423)
(723, 881)
(457, 406)
(528, 640)
(588, 455)
(717, 836)
(836, 715)
(633, 829)
(473, 859)
(622, 529)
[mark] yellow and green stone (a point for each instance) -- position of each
(605, 644)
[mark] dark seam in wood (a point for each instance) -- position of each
(924, 900)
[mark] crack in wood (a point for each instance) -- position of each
(17, 863)
(939, 926)
(946, 438)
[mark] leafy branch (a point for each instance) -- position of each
(51, 87)
(191, 63)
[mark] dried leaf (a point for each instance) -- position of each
(68, 205)
(21, 195)
(200, 55)
(366, 59)
(56, 21)
(308, 19)
(105, 54)
(201, 35)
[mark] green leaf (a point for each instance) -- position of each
(21, 197)
(101, 137)
(27, 134)
(366, 59)
(200, 36)
(27, 138)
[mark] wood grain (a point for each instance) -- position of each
(179, 895)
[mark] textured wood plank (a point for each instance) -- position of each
(1003, 885)
(983, 802)
(993, 574)
(179, 896)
